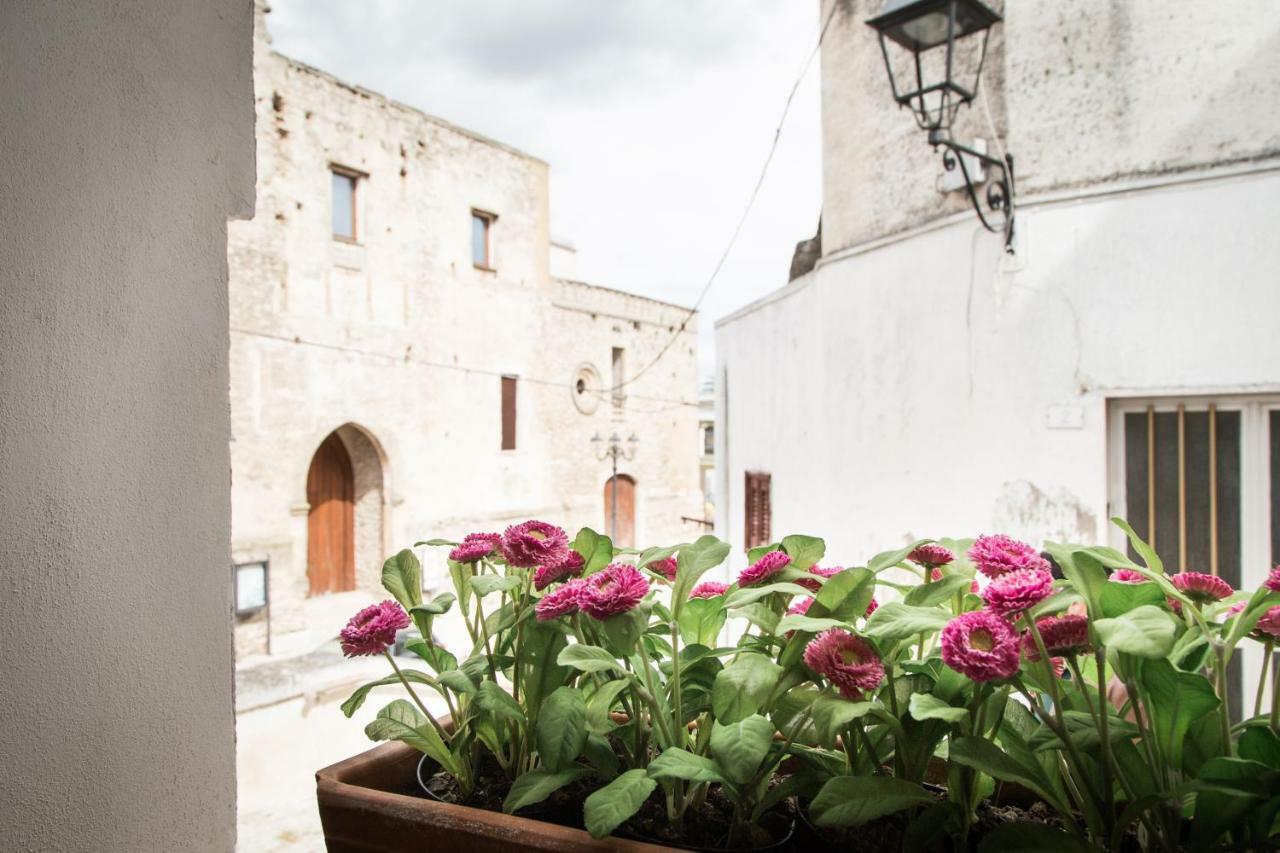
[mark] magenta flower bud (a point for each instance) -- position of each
(1127, 576)
(1015, 591)
(1201, 588)
(800, 607)
(616, 589)
(846, 660)
(981, 645)
(1269, 625)
(998, 555)
(931, 556)
(709, 589)
(666, 568)
(534, 543)
(762, 569)
(819, 571)
(476, 546)
(1273, 580)
(561, 602)
(1062, 635)
(570, 566)
(373, 629)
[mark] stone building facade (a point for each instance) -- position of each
(921, 382)
(394, 290)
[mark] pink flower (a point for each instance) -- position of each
(475, 546)
(534, 543)
(872, 607)
(666, 568)
(1062, 635)
(1059, 667)
(373, 629)
(819, 571)
(801, 607)
(1201, 588)
(570, 566)
(1273, 580)
(1128, 576)
(998, 555)
(846, 660)
(765, 567)
(1236, 609)
(1015, 591)
(709, 589)
(1269, 625)
(560, 602)
(616, 589)
(981, 645)
(931, 556)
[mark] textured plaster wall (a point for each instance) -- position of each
(126, 141)
(403, 337)
(1081, 93)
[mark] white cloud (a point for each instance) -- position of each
(655, 116)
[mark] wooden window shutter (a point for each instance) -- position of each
(508, 413)
(759, 511)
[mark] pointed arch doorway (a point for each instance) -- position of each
(331, 492)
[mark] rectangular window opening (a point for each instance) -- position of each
(759, 512)
(343, 203)
(508, 413)
(619, 374)
(482, 239)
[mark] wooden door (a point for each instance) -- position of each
(625, 534)
(331, 552)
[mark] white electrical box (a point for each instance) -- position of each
(950, 181)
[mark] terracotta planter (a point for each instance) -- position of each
(366, 803)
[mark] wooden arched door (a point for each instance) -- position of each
(331, 551)
(625, 534)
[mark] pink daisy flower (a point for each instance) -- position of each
(998, 555)
(709, 589)
(1273, 580)
(373, 629)
(1062, 635)
(872, 607)
(1269, 625)
(1201, 588)
(1059, 667)
(570, 566)
(801, 607)
(846, 660)
(765, 567)
(534, 543)
(1015, 591)
(981, 645)
(1127, 576)
(666, 568)
(616, 589)
(931, 555)
(819, 571)
(560, 602)
(475, 546)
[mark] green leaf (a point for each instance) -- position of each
(606, 809)
(1145, 632)
(701, 620)
(600, 755)
(1082, 731)
(761, 615)
(844, 596)
(402, 577)
(926, 706)
(804, 551)
(742, 686)
(652, 555)
(439, 659)
(1144, 551)
(1118, 599)
(799, 622)
(740, 747)
(623, 631)
(498, 703)
(538, 784)
(895, 621)
(586, 658)
(756, 553)
(403, 722)
(434, 543)
(1174, 700)
(541, 673)
(676, 763)
(983, 755)
(562, 728)
(889, 559)
(1231, 790)
(1028, 837)
(693, 562)
(595, 548)
(357, 698)
(938, 592)
(485, 584)
(457, 681)
(833, 714)
(742, 597)
(855, 800)
(600, 704)
(1086, 574)
(1257, 743)
(436, 606)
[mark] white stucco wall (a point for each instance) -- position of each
(903, 390)
(126, 140)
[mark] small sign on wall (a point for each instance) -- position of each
(1064, 417)
(251, 587)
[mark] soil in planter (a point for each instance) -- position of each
(563, 807)
(708, 827)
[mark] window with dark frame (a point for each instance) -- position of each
(619, 376)
(759, 513)
(343, 203)
(508, 413)
(482, 239)
(709, 440)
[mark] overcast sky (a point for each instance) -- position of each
(655, 116)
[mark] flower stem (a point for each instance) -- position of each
(1262, 678)
(439, 728)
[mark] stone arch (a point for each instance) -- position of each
(368, 464)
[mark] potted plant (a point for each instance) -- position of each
(986, 703)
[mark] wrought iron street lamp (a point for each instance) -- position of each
(934, 51)
(614, 450)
